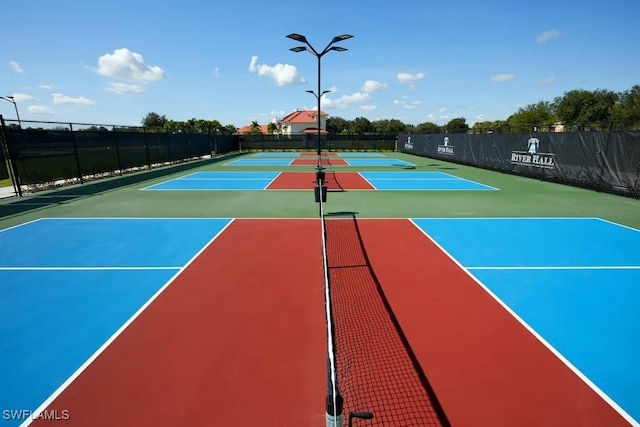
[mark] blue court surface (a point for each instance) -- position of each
(293, 155)
(69, 286)
(420, 181)
(377, 162)
(277, 155)
(575, 282)
(253, 161)
(360, 155)
(260, 162)
(218, 181)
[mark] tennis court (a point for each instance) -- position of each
(343, 181)
(178, 307)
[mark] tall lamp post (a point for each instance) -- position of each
(319, 55)
(11, 100)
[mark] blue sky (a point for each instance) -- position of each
(416, 61)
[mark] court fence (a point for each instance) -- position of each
(309, 142)
(46, 154)
(602, 161)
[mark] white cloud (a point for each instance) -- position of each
(40, 110)
(16, 67)
(59, 98)
(547, 35)
(345, 100)
(23, 97)
(406, 104)
(412, 105)
(124, 64)
(481, 118)
(125, 88)
(549, 81)
(499, 78)
(372, 86)
(443, 110)
(281, 74)
(333, 89)
(406, 78)
(44, 87)
(368, 107)
(216, 72)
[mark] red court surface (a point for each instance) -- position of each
(340, 181)
(314, 162)
(239, 338)
(308, 154)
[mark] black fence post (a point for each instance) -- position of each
(5, 145)
(77, 155)
(146, 147)
(115, 136)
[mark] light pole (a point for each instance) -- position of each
(319, 55)
(11, 100)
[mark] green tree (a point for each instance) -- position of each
(273, 128)
(154, 120)
(457, 125)
(255, 128)
(337, 125)
(388, 126)
(362, 125)
(428, 127)
(627, 109)
(540, 114)
(583, 106)
(228, 129)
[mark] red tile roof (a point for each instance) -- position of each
(246, 129)
(307, 116)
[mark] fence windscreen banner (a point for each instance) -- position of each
(43, 156)
(603, 161)
(4, 167)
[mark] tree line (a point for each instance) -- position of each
(599, 109)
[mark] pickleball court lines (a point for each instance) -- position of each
(571, 291)
(115, 288)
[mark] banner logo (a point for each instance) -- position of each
(408, 145)
(445, 148)
(532, 157)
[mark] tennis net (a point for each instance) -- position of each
(379, 375)
(334, 401)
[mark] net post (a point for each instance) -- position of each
(335, 417)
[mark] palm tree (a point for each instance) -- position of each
(255, 128)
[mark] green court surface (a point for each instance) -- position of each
(517, 197)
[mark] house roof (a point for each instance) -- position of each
(303, 117)
(313, 131)
(246, 129)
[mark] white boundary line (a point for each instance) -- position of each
(106, 344)
(366, 180)
(564, 360)
(23, 224)
(271, 182)
(510, 217)
(619, 225)
(149, 187)
(107, 268)
(468, 180)
(583, 267)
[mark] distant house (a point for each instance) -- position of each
(246, 129)
(298, 122)
(305, 121)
